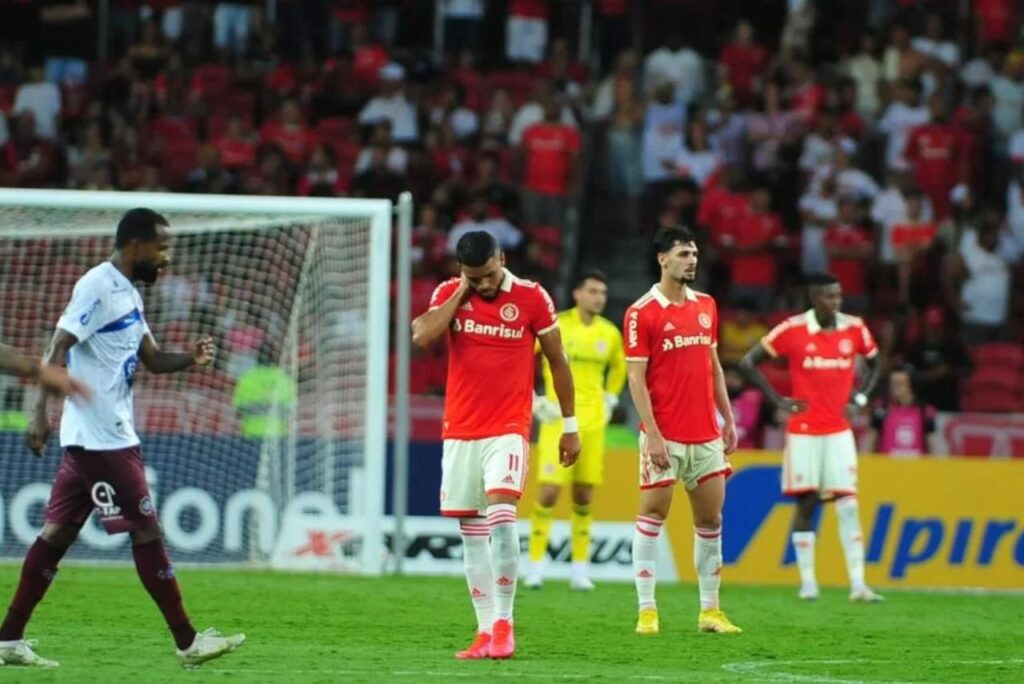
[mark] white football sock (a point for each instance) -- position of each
(645, 558)
(707, 561)
(803, 544)
(852, 539)
(476, 556)
(504, 557)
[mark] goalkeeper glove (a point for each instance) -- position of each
(545, 410)
(611, 402)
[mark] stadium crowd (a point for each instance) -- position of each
(881, 140)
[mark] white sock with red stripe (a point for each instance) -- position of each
(803, 544)
(645, 558)
(852, 539)
(707, 561)
(476, 557)
(504, 557)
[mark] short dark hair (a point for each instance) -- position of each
(475, 248)
(666, 238)
(589, 274)
(138, 224)
(820, 280)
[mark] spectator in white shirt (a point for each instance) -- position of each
(452, 110)
(978, 281)
(866, 71)
(849, 180)
(508, 236)
(682, 66)
(42, 99)
(664, 121)
(392, 105)
(1008, 91)
(890, 209)
(397, 158)
(818, 209)
(697, 161)
(904, 114)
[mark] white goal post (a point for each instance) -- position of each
(276, 455)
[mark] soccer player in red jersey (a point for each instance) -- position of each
(492, 320)
(820, 458)
(677, 384)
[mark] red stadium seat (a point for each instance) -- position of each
(334, 129)
(999, 354)
(992, 401)
(993, 377)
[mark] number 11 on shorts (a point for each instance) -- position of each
(513, 462)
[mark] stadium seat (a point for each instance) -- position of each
(334, 129)
(992, 401)
(995, 377)
(999, 354)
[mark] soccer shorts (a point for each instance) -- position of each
(589, 467)
(113, 483)
(691, 464)
(473, 469)
(826, 464)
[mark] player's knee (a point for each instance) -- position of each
(582, 495)
(707, 522)
(61, 536)
(548, 495)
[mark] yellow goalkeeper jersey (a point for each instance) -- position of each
(598, 364)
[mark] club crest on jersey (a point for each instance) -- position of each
(509, 313)
(704, 320)
(601, 346)
(845, 347)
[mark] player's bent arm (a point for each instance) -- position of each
(14, 363)
(56, 355)
(637, 371)
(558, 362)
(871, 378)
(722, 402)
(157, 361)
(429, 326)
(748, 366)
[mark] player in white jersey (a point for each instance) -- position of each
(103, 335)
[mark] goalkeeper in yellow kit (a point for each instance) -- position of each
(598, 363)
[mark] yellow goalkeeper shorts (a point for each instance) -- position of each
(588, 469)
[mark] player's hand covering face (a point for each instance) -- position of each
(204, 351)
(680, 262)
(485, 280)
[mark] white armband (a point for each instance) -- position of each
(569, 424)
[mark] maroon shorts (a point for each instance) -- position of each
(111, 482)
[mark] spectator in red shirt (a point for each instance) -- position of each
(995, 21)
(290, 133)
(850, 249)
(741, 62)
(550, 151)
(367, 58)
(238, 145)
(27, 160)
(934, 152)
(720, 205)
(752, 242)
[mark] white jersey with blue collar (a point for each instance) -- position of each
(106, 315)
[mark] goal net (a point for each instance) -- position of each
(275, 455)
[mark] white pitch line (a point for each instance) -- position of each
(759, 669)
(464, 674)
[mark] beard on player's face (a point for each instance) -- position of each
(147, 271)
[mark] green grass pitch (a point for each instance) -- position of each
(101, 626)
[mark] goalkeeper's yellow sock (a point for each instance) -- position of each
(582, 520)
(540, 531)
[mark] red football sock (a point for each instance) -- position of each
(38, 570)
(157, 575)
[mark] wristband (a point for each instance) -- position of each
(569, 424)
(860, 399)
